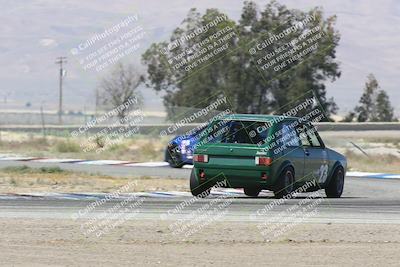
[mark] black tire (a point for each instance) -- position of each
(197, 189)
(285, 183)
(336, 184)
(173, 158)
(251, 192)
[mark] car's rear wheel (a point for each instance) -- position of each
(285, 183)
(197, 189)
(336, 184)
(251, 192)
(173, 157)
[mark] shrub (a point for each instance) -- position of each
(67, 146)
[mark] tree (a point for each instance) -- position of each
(119, 89)
(366, 110)
(374, 103)
(234, 72)
(384, 110)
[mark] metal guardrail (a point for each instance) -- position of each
(158, 128)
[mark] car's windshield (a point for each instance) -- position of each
(239, 132)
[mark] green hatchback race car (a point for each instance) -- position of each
(257, 152)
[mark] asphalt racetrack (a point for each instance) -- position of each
(364, 200)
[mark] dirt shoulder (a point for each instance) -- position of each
(150, 243)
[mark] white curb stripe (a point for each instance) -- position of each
(374, 175)
(148, 164)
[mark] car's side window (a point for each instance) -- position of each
(311, 131)
(304, 138)
(289, 135)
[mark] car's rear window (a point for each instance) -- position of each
(237, 132)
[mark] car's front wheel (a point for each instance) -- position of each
(336, 184)
(197, 189)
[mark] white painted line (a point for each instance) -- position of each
(148, 164)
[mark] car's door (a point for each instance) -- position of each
(316, 156)
(292, 149)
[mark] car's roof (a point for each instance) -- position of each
(257, 117)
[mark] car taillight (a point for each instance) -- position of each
(200, 158)
(264, 161)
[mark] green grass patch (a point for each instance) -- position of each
(67, 146)
(51, 170)
(26, 170)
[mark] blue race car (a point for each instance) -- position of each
(179, 150)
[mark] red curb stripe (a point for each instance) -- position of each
(30, 159)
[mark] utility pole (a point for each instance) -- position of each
(60, 61)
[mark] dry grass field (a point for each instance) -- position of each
(24, 180)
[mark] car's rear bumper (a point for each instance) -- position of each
(236, 178)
